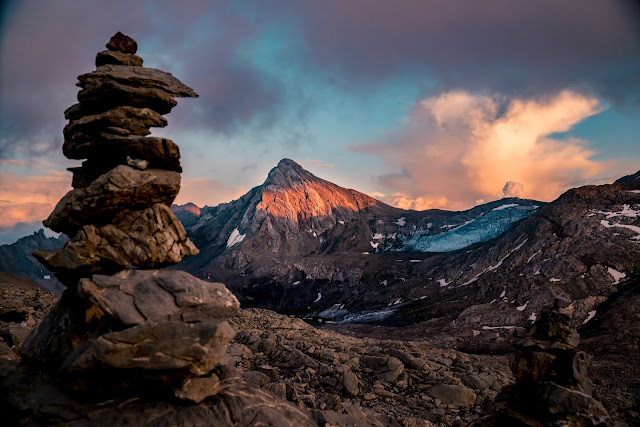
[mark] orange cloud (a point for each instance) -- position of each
(30, 198)
(457, 148)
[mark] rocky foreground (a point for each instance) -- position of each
(293, 373)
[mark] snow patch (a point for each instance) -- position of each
(553, 279)
(47, 277)
(398, 301)
(533, 317)
(296, 283)
(401, 221)
(488, 328)
(590, 316)
(383, 283)
(617, 275)
(522, 307)
(606, 224)
(378, 236)
(443, 282)
(493, 267)
(235, 238)
(415, 260)
(341, 222)
(511, 205)
(534, 255)
(319, 296)
(504, 292)
(633, 191)
(374, 245)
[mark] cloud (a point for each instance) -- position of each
(36, 163)
(496, 45)
(513, 189)
(30, 198)
(207, 192)
(317, 164)
(45, 45)
(418, 203)
(457, 148)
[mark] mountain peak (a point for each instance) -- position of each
(288, 173)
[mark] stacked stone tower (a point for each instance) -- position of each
(123, 324)
(552, 387)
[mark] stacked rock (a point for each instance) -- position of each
(122, 323)
(552, 387)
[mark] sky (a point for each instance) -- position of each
(420, 103)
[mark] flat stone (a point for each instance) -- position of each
(138, 77)
(131, 120)
(122, 43)
(121, 188)
(136, 296)
(158, 153)
(151, 238)
(156, 150)
(102, 95)
(117, 58)
(187, 348)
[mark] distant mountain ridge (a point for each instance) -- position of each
(16, 258)
(295, 213)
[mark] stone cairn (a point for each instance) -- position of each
(123, 324)
(552, 387)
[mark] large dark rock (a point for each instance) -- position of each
(135, 296)
(150, 238)
(169, 348)
(122, 43)
(122, 188)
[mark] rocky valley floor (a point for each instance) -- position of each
(340, 375)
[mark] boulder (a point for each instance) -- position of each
(117, 58)
(150, 238)
(385, 368)
(122, 43)
(455, 395)
(138, 77)
(121, 188)
(136, 296)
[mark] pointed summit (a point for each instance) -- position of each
(288, 174)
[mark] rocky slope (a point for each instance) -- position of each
(17, 258)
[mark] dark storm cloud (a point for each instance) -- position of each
(520, 46)
(45, 45)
